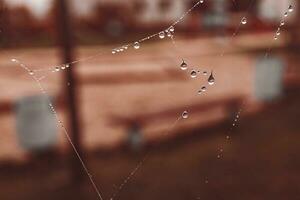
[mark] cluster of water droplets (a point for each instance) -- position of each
(119, 49)
(282, 22)
(194, 73)
(61, 68)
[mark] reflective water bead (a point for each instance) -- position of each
(201, 1)
(282, 23)
(205, 73)
(31, 73)
(203, 89)
(185, 114)
(161, 35)
(57, 69)
(244, 20)
(171, 29)
(183, 65)
(14, 60)
(291, 9)
(193, 73)
(136, 45)
(211, 79)
(169, 34)
(113, 51)
(285, 14)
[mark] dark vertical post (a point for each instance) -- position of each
(66, 43)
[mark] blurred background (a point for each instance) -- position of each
(240, 138)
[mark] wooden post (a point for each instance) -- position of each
(66, 44)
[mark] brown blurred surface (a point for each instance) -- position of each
(260, 161)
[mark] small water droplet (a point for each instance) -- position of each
(203, 89)
(275, 37)
(282, 23)
(183, 65)
(211, 79)
(63, 67)
(14, 60)
(291, 9)
(31, 73)
(193, 73)
(278, 31)
(136, 45)
(185, 114)
(161, 35)
(244, 20)
(286, 14)
(57, 69)
(113, 51)
(201, 1)
(171, 29)
(205, 73)
(169, 34)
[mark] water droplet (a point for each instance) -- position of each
(227, 137)
(193, 73)
(244, 20)
(282, 23)
(203, 89)
(278, 31)
(171, 29)
(67, 65)
(14, 60)
(291, 9)
(113, 51)
(286, 14)
(275, 37)
(185, 114)
(205, 73)
(121, 49)
(161, 35)
(57, 69)
(183, 65)
(31, 73)
(201, 1)
(169, 34)
(211, 79)
(136, 45)
(63, 67)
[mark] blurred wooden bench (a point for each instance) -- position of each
(139, 121)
